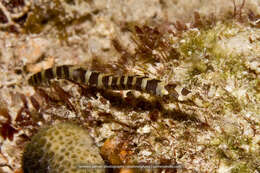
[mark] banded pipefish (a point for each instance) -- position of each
(100, 80)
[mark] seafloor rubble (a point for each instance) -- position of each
(210, 58)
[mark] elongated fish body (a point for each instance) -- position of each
(99, 80)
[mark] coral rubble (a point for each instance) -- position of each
(207, 53)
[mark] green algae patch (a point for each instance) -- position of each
(215, 65)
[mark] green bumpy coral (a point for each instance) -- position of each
(61, 148)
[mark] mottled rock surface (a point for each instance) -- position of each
(61, 148)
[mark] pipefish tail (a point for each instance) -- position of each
(99, 80)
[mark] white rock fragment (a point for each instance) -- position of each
(223, 168)
(144, 130)
(146, 153)
(245, 147)
(229, 87)
(212, 91)
(198, 102)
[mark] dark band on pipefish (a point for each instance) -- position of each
(99, 80)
